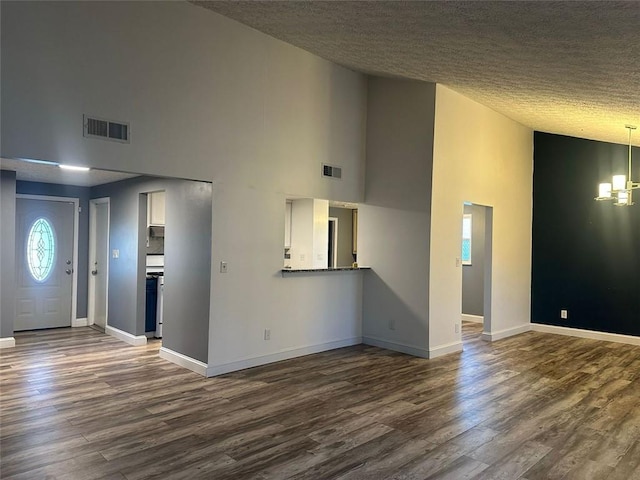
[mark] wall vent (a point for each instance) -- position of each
(106, 129)
(331, 171)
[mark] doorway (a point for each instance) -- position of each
(98, 262)
(476, 251)
(46, 267)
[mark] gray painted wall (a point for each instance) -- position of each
(262, 117)
(394, 221)
(7, 252)
(82, 193)
(473, 275)
(187, 268)
(187, 260)
(345, 234)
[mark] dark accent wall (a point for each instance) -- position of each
(69, 191)
(586, 254)
(7, 252)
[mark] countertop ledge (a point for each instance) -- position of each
(311, 270)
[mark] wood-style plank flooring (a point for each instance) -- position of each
(77, 404)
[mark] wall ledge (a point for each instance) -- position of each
(183, 361)
(214, 370)
(507, 332)
(592, 334)
(472, 318)
(396, 346)
(135, 340)
(7, 342)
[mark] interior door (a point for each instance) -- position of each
(99, 265)
(44, 266)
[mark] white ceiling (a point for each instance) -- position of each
(37, 172)
(569, 67)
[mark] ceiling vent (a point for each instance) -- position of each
(106, 129)
(331, 171)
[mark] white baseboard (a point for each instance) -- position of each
(507, 332)
(396, 346)
(80, 322)
(135, 340)
(214, 370)
(592, 334)
(184, 361)
(7, 342)
(472, 318)
(441, 350)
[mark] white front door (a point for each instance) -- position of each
(44, 273)
(99, 263)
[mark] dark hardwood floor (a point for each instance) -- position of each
(77, 404)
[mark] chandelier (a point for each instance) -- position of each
(621, 187)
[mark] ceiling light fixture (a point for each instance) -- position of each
(620, 189)
(74, 168)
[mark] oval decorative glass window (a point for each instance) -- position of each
(41, 249)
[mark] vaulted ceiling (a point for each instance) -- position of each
(570, 67)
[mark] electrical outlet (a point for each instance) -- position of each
(564, 313)
(224, 267)
(457, 328)
(392, 324)
(267, 334)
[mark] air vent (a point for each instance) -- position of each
(331, 171)
(106, 129)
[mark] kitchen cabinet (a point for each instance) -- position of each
(155, 208)
(287, 225)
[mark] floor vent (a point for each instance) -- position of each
(106, 129)
(331, 171)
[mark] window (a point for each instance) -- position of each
(40, 249)
(466, 239)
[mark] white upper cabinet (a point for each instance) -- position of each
(155, 208)
(287, 225)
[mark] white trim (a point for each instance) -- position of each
(396, 346)
(135, 340)
(79, 322)
(592, 334)
(92, 253)
(214, 370)
(76, 225)
(334, 260)
(440, 350)
(7, 342)
(472, 318)
(507, 332)
(183, 361)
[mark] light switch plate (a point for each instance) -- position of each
(115, 253)
(224, 267)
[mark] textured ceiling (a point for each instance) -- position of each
(37, 172)
(570, 68)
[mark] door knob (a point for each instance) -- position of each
(68, 271)
(94, 272)
(68, 262)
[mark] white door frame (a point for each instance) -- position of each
(92, 253)
(334, 260)
(76, 223)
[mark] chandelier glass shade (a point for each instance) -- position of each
(620, 190)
